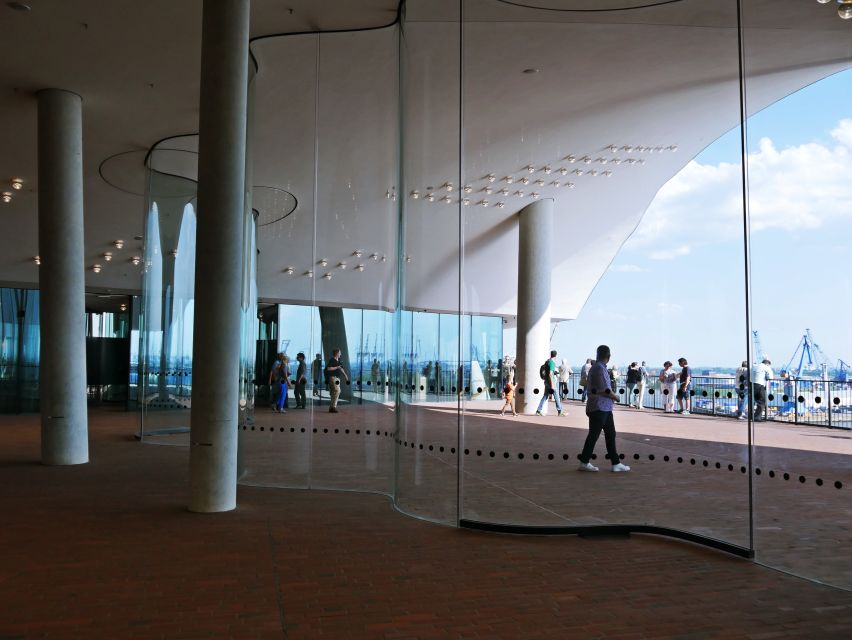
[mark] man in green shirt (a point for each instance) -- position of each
(550, 385)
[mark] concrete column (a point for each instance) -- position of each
(62, 284)
(534, 269)
(219, 256)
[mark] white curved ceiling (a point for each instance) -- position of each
(653, 77)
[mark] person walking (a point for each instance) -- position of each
(301, 381)
(584, 378)
(551, 380)
(684, 387)
(334, 370)
(283, 399)
(761, 374)
(643, 384)
(509, 396)
(633, 376)
(599, 411)
(668, 386)
(375, 369)
(741, 384)
(316, 376)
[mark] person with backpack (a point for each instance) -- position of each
(634, 377)
(509, 396)
(547, 372)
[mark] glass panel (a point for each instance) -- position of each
(19, 350)
(799, 96)
(431, 198)
(595, 132)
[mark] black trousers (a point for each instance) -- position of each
(600, 421)
(758, 392)
(299, 392)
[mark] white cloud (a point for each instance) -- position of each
(668, 308)
(799, 187)
(627, 268)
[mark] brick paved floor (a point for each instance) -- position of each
(108, 550)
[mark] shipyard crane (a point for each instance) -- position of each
(758, 349)
(810, 356)
(843, 369)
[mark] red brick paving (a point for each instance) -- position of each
(108, 550)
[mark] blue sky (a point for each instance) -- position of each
(676, 288)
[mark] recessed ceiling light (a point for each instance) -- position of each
(119, 244)
(7, 197)
(531, 70)
(309, 273)
(327, 276)
(17, 184)
(37, 259)
(500, 205)
(123, 306)
(323, 262)
(108, 255)
(135, 260)
(360, 267)
(357, 253)
(96, 268)
(289, 271)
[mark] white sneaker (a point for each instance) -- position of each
(685, 413)
(587, 466)
(619, 468)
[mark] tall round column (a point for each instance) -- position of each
(219, 251)
(534, 268)
(62, 283)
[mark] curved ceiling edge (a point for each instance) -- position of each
(647, 5)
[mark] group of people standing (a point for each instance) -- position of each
(281, 380)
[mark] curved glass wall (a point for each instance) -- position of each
(417, 186)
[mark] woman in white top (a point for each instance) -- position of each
(564, 377)
(668, 383)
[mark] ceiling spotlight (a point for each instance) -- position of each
(540, 183)
(631, 160)
(823, 1)
(173, 253)
(388, 194)
(357, 253)
(108, 255)
(37, 259)
(309, 273)
(579, 172)
(323, 263)
(601, 160)
(123, 307)
(488, 190)
(415, 194)
(96, 268)
(555, 183)
(408, 258)
(535, 195)
(447, 200)
(430, 197)
(491, 177)
(563, 171)
(530, 168)
(607, 173)
(468, 188)
(641, 161)
(483, 203)
(627, 148)
(500, 205)
(613, 147)
(616, 160)
(384, 258)
(374, 256)
(844, 9)
(518, 193)
(509, 179)
(118, 244)
(7, 197)
(341, 265)
(465, 201)
(660, 149)
(289, 271)
(672, 147)
(547, 169)
(570, 159)
(504, 191)
(586, 160)
(525, 180)
(448, 186)
(360, 267)
(135, 260)
(17, 184)
(570, 185)
(640, 148)
(327, 276)
(531, 70)
(592, 173)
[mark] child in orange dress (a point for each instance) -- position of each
(509, 396)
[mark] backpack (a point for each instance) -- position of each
(507, 389)
(633, 375)
(544, 371)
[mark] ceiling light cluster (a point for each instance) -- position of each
(342, 265)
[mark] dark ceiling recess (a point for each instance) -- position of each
(18, 6)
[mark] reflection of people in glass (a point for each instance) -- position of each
(334, 370)
(599, 410)
(275, 375)
(437, 377)
(301, 381)
(316, 375)
(741, 384)
(375, 369)
(509, 396)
